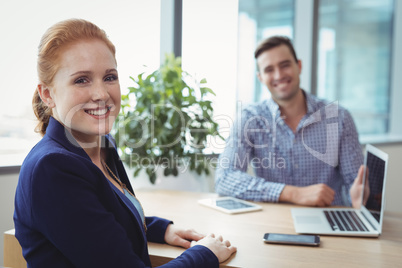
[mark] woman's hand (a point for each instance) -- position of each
(221, 248)
(186, 238)
(176, 236)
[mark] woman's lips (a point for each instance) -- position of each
(98, 111)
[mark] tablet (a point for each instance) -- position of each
(230, 205)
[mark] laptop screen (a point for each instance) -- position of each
(375, 169)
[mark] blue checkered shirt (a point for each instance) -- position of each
(323, 149)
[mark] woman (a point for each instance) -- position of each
(74, 204)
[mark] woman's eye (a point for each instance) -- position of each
(111, 78)
(80, 80)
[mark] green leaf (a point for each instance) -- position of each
(175, 172)
(137, 171)
(152, 129)
(152, 178)
(166, 171)
(205, 90)
(199, 169)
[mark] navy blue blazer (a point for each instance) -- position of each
(67, 214)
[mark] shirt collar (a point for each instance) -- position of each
(274, 107)
(310, 101)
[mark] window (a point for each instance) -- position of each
(209, 51)
(349, 50)
(354, 59)
(132, 25)
(258, 20)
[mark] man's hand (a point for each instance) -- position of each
(357, 188)
(176, 236)
(319, 195)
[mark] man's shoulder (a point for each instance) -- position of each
(317, 103)
(258, 108)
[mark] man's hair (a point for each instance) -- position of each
(274, 41)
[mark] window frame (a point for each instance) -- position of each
(305, 42)
(396, 80)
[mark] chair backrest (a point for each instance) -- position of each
(13, 251)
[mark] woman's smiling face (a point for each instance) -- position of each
(85, 93)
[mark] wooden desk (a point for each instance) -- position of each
(246, 231)
(12, 251)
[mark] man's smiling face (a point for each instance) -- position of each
(279, 71)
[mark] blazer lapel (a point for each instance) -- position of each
(130, 206)
(57, 132)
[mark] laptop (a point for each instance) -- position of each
(364, 221)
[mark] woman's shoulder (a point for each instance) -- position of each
(49, 158)
(45, 150)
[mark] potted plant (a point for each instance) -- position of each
(165, 122)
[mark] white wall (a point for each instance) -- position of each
(8, 184)
(394, 178)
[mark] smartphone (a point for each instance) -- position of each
(290, 239)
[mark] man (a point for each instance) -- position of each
(303, 150)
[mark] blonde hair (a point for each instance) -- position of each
(57, 36)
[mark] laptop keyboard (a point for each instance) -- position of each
(345, 221)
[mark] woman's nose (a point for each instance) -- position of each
(100, 92)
